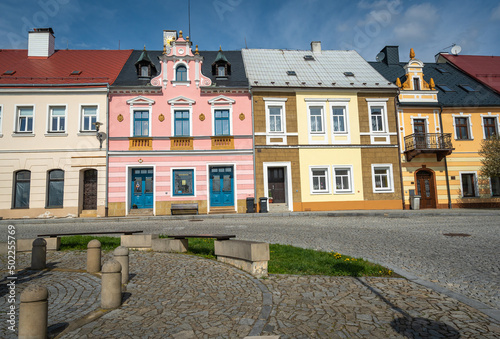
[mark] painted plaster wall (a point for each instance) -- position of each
(41, 152)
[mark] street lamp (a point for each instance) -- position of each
(99, 135)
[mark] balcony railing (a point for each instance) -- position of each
(181, 143)
(437, 143)
(222, 142)
(140, 144)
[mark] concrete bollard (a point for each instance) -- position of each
(33, 312)
(111, 287)
(121, 255)
(39, 254)
(94, 256)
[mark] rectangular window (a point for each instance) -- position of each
(343, 179)
(468, 184)
(377, 118)
(319, 177)
(55, 189)
(339, 119)
(22, 189)
(275, 119)
(57, 119)
(141, 123)
(89, 118)
(382, 178)
(183, 182)
(462, 128)
(416, 84)
(316, 119)
(181, 123)
(25, 119)
(495, 186)
(221, 71)
(221, 122)
(490, 127)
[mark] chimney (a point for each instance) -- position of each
(389, 55)
(316, 46)
(41, 42)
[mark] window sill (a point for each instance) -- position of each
(52, 207)
(337, 192)
(56, 134)
(22, 134)
(391, 191)
(180, 83)
(464, 139)
(320, 193)
(86, 133)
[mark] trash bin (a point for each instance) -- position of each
(250, 205)
(263, 205)
(416, 202)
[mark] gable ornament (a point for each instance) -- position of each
(202, 117)
(242, 116)
(161, 117)
(119, 118)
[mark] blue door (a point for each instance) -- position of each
(221, 186)
(142, 188)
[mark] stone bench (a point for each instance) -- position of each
(184, 208)
(138, 241)
(249, 256)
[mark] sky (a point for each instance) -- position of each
(429, 27)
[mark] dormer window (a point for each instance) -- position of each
(181, 73)
(145, 71)
(221, 67)
(144, 66)
(221, 71)
(416, 84)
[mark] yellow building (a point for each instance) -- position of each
(325, 131)
(443, 117)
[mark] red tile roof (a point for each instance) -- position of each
(481, 67)
(96, 66)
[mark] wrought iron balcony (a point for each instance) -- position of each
(437, 143)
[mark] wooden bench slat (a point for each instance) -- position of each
(184, 207)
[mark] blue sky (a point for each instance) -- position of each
(366, 26)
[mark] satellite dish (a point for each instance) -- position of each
(380, 56)
(456, 49)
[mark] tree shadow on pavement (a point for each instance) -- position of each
(411, 327)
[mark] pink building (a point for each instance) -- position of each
(180, 132)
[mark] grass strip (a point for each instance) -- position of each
(285, 259)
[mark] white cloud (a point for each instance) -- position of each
(418, 23)
(495, 13)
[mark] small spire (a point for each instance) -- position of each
(220, 48)
(180, 34)
(398, 82)
(187, 38)
(431, 84)
(196, 51)
(412, 53)
(144, 47)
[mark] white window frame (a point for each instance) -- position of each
(283, 133)
(321, 117)
(222, 108)
(390, 179)
(16, 121)
(469, 125)
(176, 82)
(419, 83)
(82, 106)
(1, 120)
(49, 123)
(182, 197)
(383, 105)
(489, 115)
(349, 168)
(476, 187)
(345, 106)
(327, 189)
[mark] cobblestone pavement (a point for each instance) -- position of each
(180, 296)
(411, 243)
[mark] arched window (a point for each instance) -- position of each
(22, 189)
(55, 188)
(181, 73)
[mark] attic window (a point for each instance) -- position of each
(9, 72)
(349, 74)
(445, 88)
(308, 57)
(76, 73)
(468, 88)
(442, 70)
(291, 73)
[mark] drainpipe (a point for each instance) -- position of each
(253, 148)
(107, 156)
(445, 161)
(399, 150)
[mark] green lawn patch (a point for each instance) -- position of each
(80, 242)
(285, 259)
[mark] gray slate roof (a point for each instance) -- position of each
(453, 78)
(128, 75)
(268, 68)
